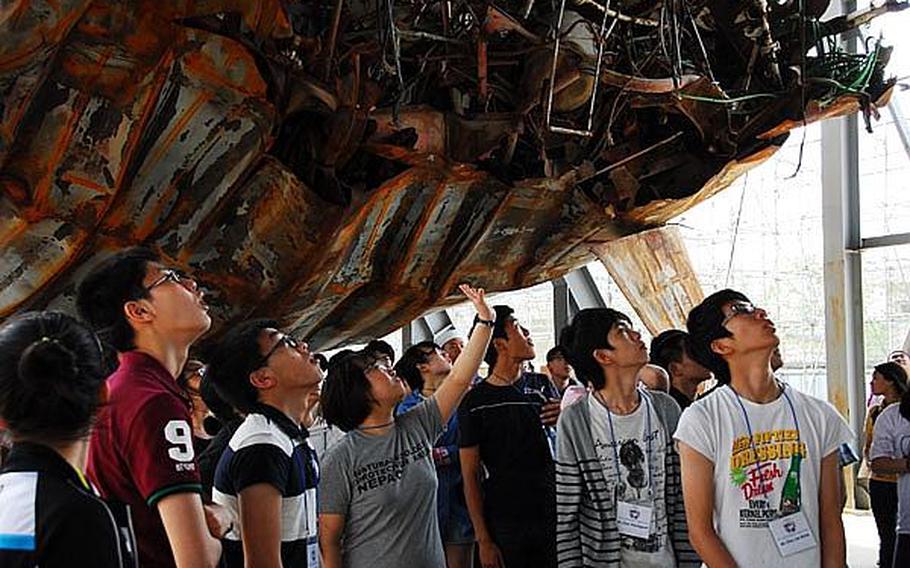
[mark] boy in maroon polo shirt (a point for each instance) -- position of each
(141, 451)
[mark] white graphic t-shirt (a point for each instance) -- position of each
(641, 478)
(891, 439)
(749, 488)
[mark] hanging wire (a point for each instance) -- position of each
(739, 216)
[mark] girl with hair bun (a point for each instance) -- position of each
(51, 385)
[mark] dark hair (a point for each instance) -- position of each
(705, 325)
(51, 374)
(233, 359)
(334, 359)
(668, 347)
(503, 315)
(223, 412)
(111, 284)
(346, 396)
(894, 374)
(379, 348)
(322, 361)
(897, 375)
(588, 331)
(416, 354)
(557, 351)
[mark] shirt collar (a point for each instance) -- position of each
(290, 427)
(29, 456)
(135, 360)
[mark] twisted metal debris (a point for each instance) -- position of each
(342, 164)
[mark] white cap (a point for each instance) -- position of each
(447, 335)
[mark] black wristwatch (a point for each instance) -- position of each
(489, 323)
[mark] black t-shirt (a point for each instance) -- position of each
(50, 517)
(504, 421)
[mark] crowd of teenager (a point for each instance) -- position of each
(125, 451)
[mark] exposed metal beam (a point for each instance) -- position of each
(885, 241)
(843, 268)
(900, 122)
(562, 311)
(426, 328)
(584, 290)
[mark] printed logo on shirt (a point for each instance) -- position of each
(755, 471)
(385, 472)
(634, 483)
(180, 435)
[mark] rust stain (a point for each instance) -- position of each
(346, 190)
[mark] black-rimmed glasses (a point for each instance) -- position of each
(738, 308)
(168, 275)
(285, 340)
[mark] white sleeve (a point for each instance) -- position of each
(694, 431)
(883, 442)
(837, 432)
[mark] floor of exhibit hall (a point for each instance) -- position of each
(862, 539)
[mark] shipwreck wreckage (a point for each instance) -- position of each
(342, 164)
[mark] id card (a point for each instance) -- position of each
(792, 534)
(633, 520)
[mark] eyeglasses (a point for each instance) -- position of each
(285, 340)
(383, 366)
(168, 275)
(737, 309)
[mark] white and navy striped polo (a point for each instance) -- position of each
(270, 448)
(51, 517)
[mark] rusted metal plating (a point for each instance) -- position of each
(342, 164)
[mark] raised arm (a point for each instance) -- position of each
(449, 394)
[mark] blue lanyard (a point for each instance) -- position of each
(783, 391)
(648, 438)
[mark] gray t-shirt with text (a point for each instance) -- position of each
(385, 487)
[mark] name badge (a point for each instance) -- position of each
(792, 534)
(633, 520)
(312, 553)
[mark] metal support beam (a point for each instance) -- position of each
(885, 241)
(843, 272)
(426, 328)
(574, 291)
(900, 122)
(584, 290)
(561, 308)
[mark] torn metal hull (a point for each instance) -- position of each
(280, 171)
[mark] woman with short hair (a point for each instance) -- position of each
(377, 501)
(51, 385)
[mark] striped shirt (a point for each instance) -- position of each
(586, 532)
(270, 448)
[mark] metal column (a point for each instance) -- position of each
(844, 342)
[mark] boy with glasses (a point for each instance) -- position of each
(760, 471)
(141, 452)
(268, 473)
